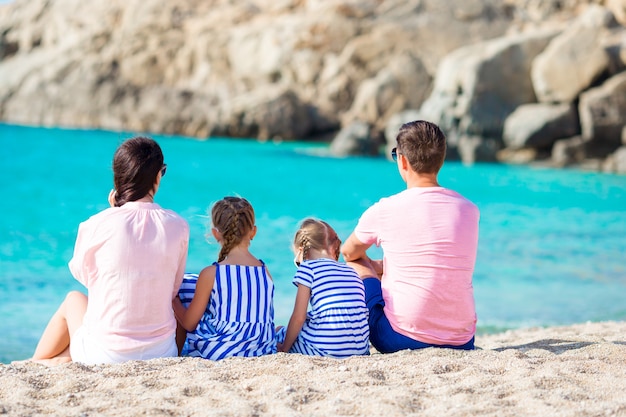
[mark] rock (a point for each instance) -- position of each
(616, 162)
(296, 69)
(473, 149)
(259, 52)
(618, 8)
(602, 111)
(573, 60)
(393, 127)
(403, 83)
(566, 152)
(539, 125)
(615, 45)
(517, 156)
(581, 152)
(353, 139)
(85, 64)
(541, 10)
(478, 86)
(272, 113)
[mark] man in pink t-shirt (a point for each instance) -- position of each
(421, 294)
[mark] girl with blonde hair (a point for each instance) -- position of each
(336, 324)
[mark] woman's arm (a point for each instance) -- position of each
(298, 317)
(190, 317)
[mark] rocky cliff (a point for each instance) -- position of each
(298, 69)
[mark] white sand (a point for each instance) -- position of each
(577, 370)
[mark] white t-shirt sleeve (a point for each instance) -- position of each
(304, 276)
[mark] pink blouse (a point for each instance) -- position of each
(132, 260)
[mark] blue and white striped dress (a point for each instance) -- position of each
(239, 319)
(336, 324)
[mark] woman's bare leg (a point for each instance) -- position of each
(55, 340)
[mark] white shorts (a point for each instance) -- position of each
(85, 349)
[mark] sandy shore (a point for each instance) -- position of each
(577, 370)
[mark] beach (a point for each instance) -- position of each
(577, 370)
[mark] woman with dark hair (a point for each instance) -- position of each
(131, 258)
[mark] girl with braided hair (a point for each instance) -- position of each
(227, 310)
(336, 325)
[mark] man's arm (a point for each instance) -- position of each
(353, 252)
(354, 249)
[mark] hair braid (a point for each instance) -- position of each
(231, 235)
(233, 217)
(306, 245)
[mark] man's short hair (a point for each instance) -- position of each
(424, 146)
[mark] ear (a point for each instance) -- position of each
(404, 163)
(253, 232)
(157, 182)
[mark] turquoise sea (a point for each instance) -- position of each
(552, 242)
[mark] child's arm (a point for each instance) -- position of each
(298, 317)
(190, 317)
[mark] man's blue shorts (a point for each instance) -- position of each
(382, 335)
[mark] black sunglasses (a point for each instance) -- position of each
(163, 170)
(394, 154)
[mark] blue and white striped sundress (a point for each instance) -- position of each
(239, 319)
(336, 324)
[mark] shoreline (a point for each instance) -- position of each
(577, 370)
